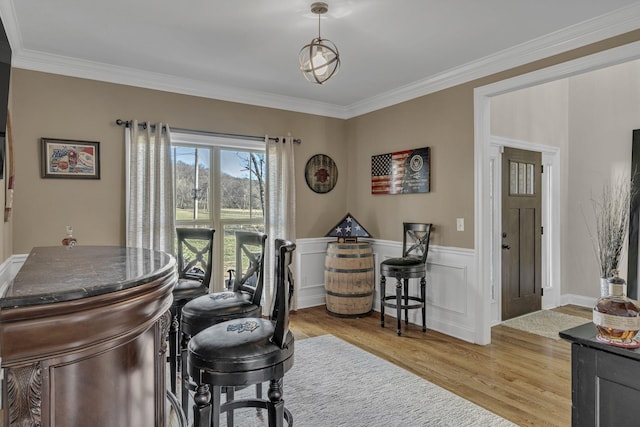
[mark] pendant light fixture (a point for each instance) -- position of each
(319, 60)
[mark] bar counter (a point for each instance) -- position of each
(83, 337)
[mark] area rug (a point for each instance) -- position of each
(335, 384)
(545, 322)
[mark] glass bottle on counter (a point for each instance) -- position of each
(69, 240)
(617, 317)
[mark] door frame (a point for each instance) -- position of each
(550, 240)
(484, 213)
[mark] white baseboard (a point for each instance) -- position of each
(578, 300)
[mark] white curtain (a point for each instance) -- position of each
(281, 201)
(149, 187)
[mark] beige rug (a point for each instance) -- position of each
(336, 384)
(545, 322)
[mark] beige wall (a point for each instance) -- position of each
(604, 108)
(442, 121)
(537, 115)
(46, 105)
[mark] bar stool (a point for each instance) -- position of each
(243, 300)
(412, 265)
(246, 351)
(194, 260)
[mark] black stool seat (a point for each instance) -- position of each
(186, 290)
(412, 265)
(207, 310)
(239, 353)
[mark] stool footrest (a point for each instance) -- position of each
(394, 302)
(232, 405)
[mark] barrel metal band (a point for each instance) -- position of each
(337, 294)
(350, 270)
(369, 255)
(349, 245)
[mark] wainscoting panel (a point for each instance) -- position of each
(8, 270)
(309, 267)
(450, 283)
(454, 284)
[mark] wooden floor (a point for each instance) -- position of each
(522, 377)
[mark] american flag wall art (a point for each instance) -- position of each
(401, 172)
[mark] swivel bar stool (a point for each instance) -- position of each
(243, 300)
(412, 265)
(246, 351)
(194, 260)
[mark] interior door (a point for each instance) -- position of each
(521, 231)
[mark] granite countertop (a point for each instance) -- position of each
(61, 273)
(586, 335)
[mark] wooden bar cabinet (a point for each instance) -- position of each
(83, 338)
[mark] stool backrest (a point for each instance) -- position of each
(195, 253)
(250, 264)
(415, 241)
(283, 290)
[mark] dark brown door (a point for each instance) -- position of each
(521, 230)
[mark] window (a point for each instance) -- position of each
(521, 178)
(219, 183)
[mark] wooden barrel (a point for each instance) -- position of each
(348, 278)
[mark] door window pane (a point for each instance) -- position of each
(521, 178)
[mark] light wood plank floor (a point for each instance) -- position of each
(522, 377)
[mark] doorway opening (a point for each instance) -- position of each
(486, 167)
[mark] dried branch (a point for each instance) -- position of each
(612, 222)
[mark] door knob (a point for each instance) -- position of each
(504, 246)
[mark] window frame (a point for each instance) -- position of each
(216, 144)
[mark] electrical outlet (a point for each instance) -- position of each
(460, 224)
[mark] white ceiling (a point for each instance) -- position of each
(247, 50)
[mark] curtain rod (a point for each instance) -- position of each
(127, 123)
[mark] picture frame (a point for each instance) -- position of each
(68, 158)
(401, 172)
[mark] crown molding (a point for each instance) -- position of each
(609, 25)
(56, 64)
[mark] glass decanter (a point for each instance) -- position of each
(617, 317)
(69, 240)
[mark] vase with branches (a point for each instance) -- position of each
(611, 212)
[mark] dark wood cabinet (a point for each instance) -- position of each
(605, 381)
(83, 338)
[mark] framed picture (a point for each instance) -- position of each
(401, 172)
(66, 158)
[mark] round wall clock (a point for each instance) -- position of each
(321, 173)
